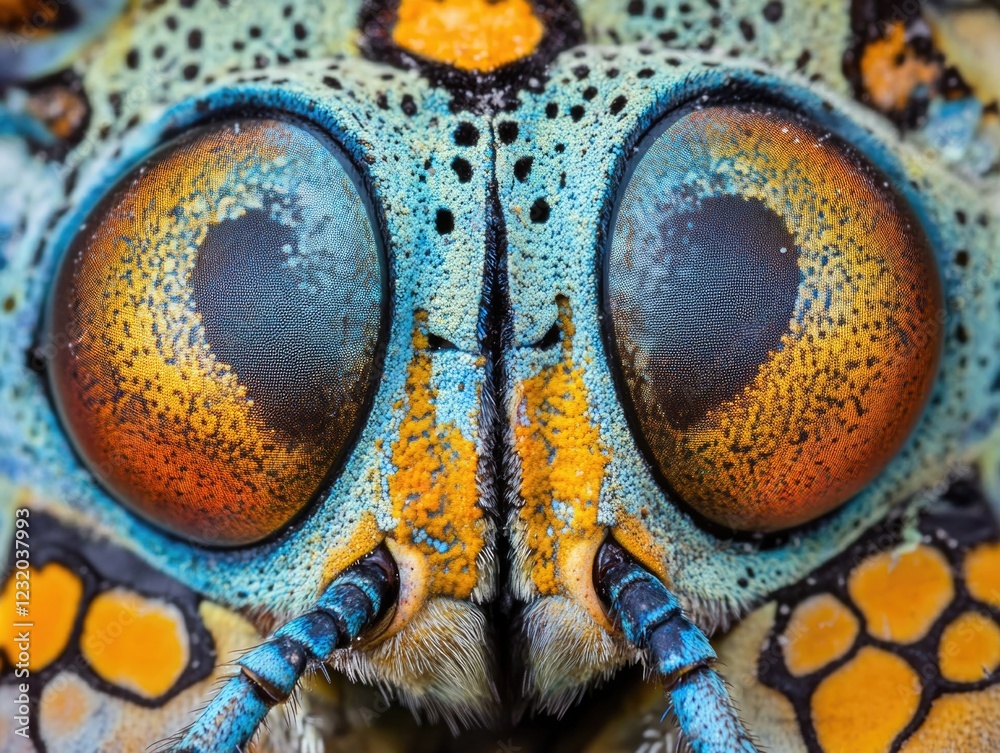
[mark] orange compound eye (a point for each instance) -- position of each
(223, 308)
(774, 315)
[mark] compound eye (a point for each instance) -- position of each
(221, 309)
(774, 313)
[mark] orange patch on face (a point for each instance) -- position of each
(433, 491)
(54, 596)
(960, 723)
(820, 631)
(891, 70)
(136, 643)
(901, 595)
(864, 705)
(970, 648)
(63, 111)
(474, 35)
(562, 467)
(39, 15)
(982, 573)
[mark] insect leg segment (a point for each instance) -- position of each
(676, 650)
(357, 600)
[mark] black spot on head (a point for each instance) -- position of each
(961, 334)
(560, 148)
(407, 105)
(333, 83)
(188, 3)
(522, 168)
(444, 222)
(194, 39)
(961, 217)
(190, 72)
(581, 72)
(382, 101)
(170, 22)
(539, 211)
(551, 110)
(773, 11)
(646, 73)
(507, 131)
(576, 112)
(659, 13)
(667, 37)
(746, 28)
(803, 60)
(462, 169)
(635, 7)
(962, 258)
(300, 31)
(255, 32)
(590, 92)
(466, 134)
(159, 51)
(618, 104)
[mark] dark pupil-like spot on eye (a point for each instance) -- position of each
(261, 320)
(728, 278)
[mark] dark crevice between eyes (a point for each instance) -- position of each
(494, 337)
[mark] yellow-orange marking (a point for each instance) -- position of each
(970, 648)
(562, 466)
(433, 490)
(54, 603)
(365, 537)
(469, 34)
(960, 723)
(901, 595)
(821, 630)
(891, 70)
(135, 643)
(982, 573)
(864, 705)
